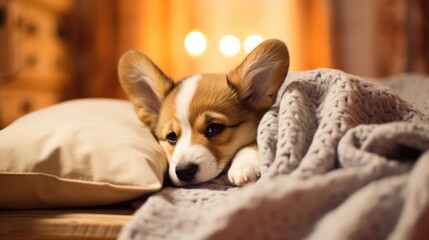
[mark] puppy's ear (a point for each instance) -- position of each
(145, 84)
(258, 78)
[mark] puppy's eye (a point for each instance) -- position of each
(172, 138)
(214, 129)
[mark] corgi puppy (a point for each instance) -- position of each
(207, 121)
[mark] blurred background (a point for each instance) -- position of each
(54, 50)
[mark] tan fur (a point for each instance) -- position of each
(269, 62)
(205, 109)
(167, 122)
(216, 102)
(236, 100)
(138, 74)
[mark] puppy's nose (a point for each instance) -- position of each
(186, 172)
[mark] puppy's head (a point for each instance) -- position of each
(203, 120)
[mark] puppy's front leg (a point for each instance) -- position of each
(245, 166)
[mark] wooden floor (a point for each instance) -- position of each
(64, 224)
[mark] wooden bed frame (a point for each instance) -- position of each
(91, 223)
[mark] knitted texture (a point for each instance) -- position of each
(341, 158)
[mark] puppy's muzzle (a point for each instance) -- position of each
(187, 172)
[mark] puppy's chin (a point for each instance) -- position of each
(208, 167)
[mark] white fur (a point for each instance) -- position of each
(185, 152)
(183, 100)
(199, 155)
(244, 167)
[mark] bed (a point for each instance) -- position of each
(341, 158)
(80, 223)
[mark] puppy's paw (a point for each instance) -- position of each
(245, 173)
(244, 167)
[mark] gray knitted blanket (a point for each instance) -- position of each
(341, 158)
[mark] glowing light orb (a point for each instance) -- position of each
(229, 45)
(195, 43)
(251, 42)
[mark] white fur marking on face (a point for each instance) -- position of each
(183, 100)
(201, 156)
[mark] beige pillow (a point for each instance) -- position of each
(78, 153)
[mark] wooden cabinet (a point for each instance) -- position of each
(34, 67)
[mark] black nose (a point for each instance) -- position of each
(186, 172)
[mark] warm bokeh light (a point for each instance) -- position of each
(229, 45)
(251, 42)
(195, 43)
